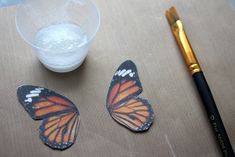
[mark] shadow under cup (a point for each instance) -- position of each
(60, 31)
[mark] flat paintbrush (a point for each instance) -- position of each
(200, 81)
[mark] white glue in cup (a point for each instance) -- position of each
(60, 31)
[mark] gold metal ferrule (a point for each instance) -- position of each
(185, 47)
(182, 40)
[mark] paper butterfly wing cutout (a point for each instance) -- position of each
(60, 131)
(60, 117)
(124, 85)
(122, 102)
(136, 114)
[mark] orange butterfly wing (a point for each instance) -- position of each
(122, 102)
(60, 117)
(136, 114)
(50, 105)
(123, 90)
(60, 131)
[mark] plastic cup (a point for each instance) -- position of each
(232, 3)
(59, 31)
(4, 3)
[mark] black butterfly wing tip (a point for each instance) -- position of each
(19, 89)
(20, 95)
(129, 62)
(24, 86)
(22, 89)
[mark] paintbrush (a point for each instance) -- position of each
(200, 81)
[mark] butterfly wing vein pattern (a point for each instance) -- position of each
(60, 117)
(123, 102)
(60, 131)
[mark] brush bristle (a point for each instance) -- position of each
(172, 15)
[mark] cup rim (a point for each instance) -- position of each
(43, 49)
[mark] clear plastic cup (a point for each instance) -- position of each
(4, 3)
(232, 3)
(60, 31)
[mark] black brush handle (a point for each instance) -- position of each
(213, 114)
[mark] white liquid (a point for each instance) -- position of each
(62, 46)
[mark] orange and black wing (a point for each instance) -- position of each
(60, 117)
(60, 131)
(136, 114)
(124, 85)
(42, 103)
(122, 102)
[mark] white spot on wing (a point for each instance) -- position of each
(117, 72)
(122, 72)
(131, 74)
(39, 88)
(125, 73)
(33, 93)
(28, 100)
